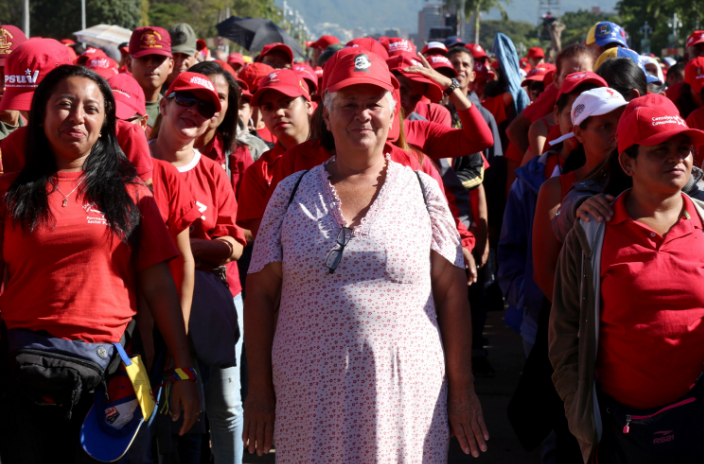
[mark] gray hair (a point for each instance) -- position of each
(330, 97)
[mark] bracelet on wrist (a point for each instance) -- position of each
(184, 373)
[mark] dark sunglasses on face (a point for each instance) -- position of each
(205, 108)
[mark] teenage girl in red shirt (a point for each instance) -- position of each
(79, 233)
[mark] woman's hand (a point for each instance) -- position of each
(470, 265)
(466, 419)
(258, 430)
(598, 206)
(184, 399)
(427, 71)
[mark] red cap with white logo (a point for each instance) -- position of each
(129, 96)
(434, 48)
(694, 74)
(285, 81)
(150, 40)
(26, 67)
(441, 62)
(400, 46)
(198, 85)
(89, 54)
(358, 67)
(477, 51)
(650, 120)
(106, 67)
(695, 38)
(308, 75)
(11, 37)
(401, 62)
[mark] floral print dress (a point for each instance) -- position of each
(358, 362)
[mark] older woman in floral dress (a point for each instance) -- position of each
(370, 360)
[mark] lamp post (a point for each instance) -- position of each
(645, 42)
(25, 17)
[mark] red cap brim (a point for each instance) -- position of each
(153, 51)
(696, 137)
(361, 79)
(17, 101)
(432, 91)
(287, 90)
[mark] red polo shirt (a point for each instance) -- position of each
(255, 185)
(651, 337)
(543, 105)
(695, 120)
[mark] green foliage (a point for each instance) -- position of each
(520, 32)
(578, 23)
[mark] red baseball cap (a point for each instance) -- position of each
(483, 72)
(441, 62)
(235, 58)
(104, 66)
(370, 45)
(11, 37)
(384, 41)
(536, 52)
(198, 85)
(359, 67)
(324, 42)
(308, 75)
(276, 46)
(244, 89)
(285, 81)
(650, 120)
(25, 68)
(694, 74)
(398, 46)
(434, 48)
(201, 44)
(695, 38)
(89, 54)
(549, 76)
(129, 96)
(574, 80)
(254, 73)
(476, 50)
(538, 74)
(401, 62)
(68, 42)
(150, 40)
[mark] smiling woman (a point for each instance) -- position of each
(79, 232)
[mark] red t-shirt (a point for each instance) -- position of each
(651, 336)
(674, 92)
(434, 113)
(543, 105)
(177, 207)
(440, 141)
(255, 185)
(495, 105)
(130, 137)
(696, 120)
(76, 280)
(240, 160)
(311, 153)
(216, 203)
(266, 135)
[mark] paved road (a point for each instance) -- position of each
(506, 356)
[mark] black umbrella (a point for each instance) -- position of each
(254, 33)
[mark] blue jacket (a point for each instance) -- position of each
(515, 250)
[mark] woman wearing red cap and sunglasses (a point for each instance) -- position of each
(626, 332)
(79, 233)
(371, 356)
(190, 106)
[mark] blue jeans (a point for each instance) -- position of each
(223, 404)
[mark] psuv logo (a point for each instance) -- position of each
(28, 79)
(201, 209)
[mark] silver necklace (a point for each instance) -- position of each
(65, 202)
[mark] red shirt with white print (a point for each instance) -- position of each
(75, 279)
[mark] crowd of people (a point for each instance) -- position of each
(207, 254)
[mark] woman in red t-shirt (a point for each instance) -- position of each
(79, 233)
(190, 105)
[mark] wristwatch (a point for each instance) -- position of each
(455, 84)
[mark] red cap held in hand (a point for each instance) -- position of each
(11, 37)
(26, 67)
(358, 67)
(401, 62)
(651, 120)
(129, 96)
(198, 85)
(150, 40)
(285, 81)
(574, 80)
(441, 62)
(371, 45)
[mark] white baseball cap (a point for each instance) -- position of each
(595, 102)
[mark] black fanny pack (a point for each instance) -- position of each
(666, 434)
(55, 372)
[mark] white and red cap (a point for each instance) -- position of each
(441, 62)
(651, 120)
(26, 67)
(476, 50)
(129, 96)
(595, 102)
(198, 85)
(695, 38)
(105, 66)
(357, 66)
(399, 46)
(434, 48)
(89, 54)
(285, 81)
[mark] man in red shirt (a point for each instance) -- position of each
(150, 63)
(284, 102)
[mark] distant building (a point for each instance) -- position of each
(430, 17)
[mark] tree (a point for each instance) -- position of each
(61, 18)
(520, 32)
(578, 23)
